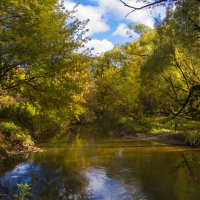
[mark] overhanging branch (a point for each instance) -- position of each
(134, 8)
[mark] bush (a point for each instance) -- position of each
(13, 133)
(152, 125)
(130, 125)
(20, 114)
(193, 138)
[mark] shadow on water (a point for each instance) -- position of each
(112, 168)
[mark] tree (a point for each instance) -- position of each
(171, 72)
(175, 58)
(116, 83)
(34, 40)
(39, 63)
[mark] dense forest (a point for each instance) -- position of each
(47, 84)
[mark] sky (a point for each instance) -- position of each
(108, 25)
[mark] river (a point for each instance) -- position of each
(106, 168)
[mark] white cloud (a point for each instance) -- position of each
(116, 9)
(96, 24)
(122, 30)
(99, 46)
(105, 11)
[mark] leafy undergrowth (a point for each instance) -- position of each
(191, 130)
(161, 124)
(152, 125)
(14, 138)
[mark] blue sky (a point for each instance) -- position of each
(108, 25)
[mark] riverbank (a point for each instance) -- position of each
(179, 131)
(15, 140)
(172, 138)
(14, 150)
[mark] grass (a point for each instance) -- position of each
(161, 124)
(152, 125)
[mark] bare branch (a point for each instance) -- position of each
(193, 89)
(141, 7)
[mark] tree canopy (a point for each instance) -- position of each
(39, 63)
(45, 78)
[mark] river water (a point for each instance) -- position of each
(106, 169)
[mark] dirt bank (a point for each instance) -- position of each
(16, 150)
(167, 138)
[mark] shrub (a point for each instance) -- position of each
(13, 133)
(21, 114)
(130, 125)
(193, 138)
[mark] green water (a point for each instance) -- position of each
(95, 168)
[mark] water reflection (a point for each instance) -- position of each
(22, 173)
(100, 186)
(105, 171)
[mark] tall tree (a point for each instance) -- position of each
(39, 62)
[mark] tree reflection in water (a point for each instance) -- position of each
(98, 171)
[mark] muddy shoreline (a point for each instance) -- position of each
(171, 138)
(17, 151)
(167, 138)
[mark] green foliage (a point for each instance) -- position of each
(45, 85)
(152, 125)
(23, 191)
(40, 70)
(190, 128)
(13, 133)
(22, 114)
(157, 75)
(139, 28)
(116, 84)
(171, 71)
(132, 126)
(193, 138)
